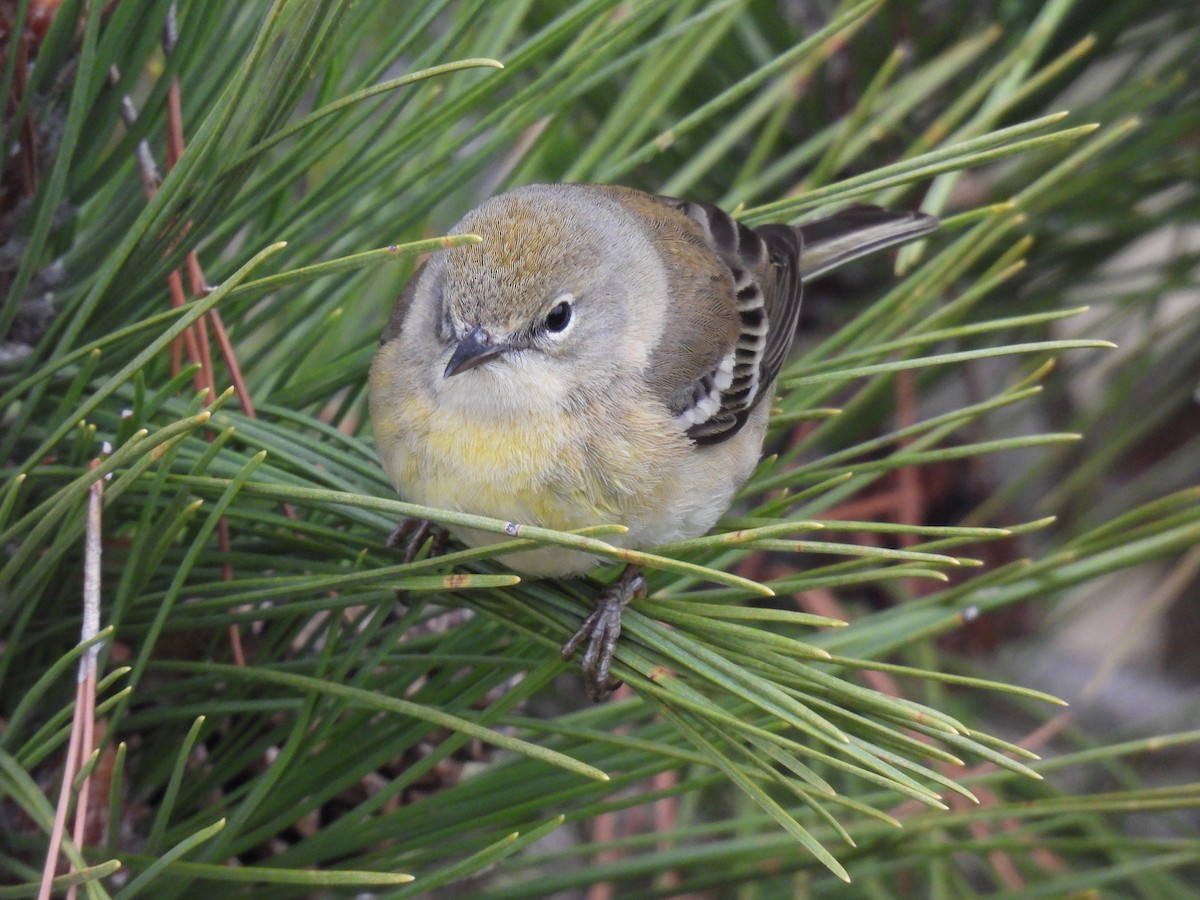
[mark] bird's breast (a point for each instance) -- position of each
(520, 469)
(618, 457)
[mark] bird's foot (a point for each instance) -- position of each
(601, 630)
(409, 537)
(411, 534)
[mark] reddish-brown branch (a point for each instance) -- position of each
(206, 361)
(199, 287)
(196, 280)
(235, 370)
(83, 717)
(85, 698)
(64, 802)
(188, 338)
(85, 705)
(176, 144)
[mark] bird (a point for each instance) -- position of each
(601, 355)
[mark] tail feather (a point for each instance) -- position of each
(853, 232)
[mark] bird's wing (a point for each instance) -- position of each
(395, 321)
(769, 265)
(762, 265)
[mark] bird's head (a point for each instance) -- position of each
(550, 296)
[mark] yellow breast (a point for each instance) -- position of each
(494, 466)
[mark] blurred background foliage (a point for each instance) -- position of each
(274, 718)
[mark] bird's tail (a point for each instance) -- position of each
(853, 232)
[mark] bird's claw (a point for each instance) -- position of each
(601, 630)
(411, 534)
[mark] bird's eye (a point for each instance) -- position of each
(559, 317)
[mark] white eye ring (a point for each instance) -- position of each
(558, 319)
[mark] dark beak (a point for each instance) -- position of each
(474, 348)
